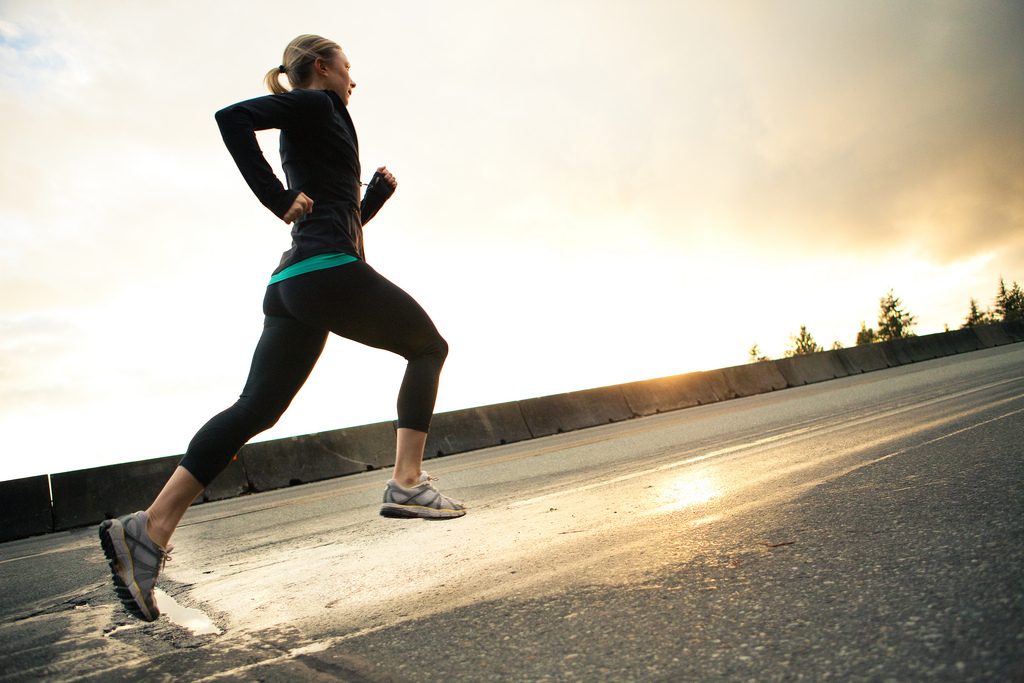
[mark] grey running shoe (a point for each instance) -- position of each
(422, 500)
(135, 561)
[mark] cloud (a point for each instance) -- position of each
(802, 127)
(901, 129)
(806, 126)
(29, 376)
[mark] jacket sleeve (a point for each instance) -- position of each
(377, 192)
(239, 123)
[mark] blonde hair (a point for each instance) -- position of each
(297, 63)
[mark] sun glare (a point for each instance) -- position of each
(687, 491)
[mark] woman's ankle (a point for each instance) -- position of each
(406, 479)
(158, 533)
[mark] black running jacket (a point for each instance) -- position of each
(320, 157)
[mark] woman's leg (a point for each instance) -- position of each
(137, 544)
(357, 303)
(171, 504)
(284, 357)
(409, 456)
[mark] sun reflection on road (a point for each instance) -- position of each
(686, 491)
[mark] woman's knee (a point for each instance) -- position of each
(265, 421)
(259, 418)
(441, 346)
(436, 349)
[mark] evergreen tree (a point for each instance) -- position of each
(866, 335)
(976, 317)
(1009, 302)
(894, 322)
(754, 355)
(802, 344)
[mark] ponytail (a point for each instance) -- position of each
(297, 63)
(272, 80)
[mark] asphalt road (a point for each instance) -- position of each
(868, 528)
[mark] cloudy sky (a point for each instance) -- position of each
(590, 193)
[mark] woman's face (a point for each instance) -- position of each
(338, 78)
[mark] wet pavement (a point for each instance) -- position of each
(868, 528)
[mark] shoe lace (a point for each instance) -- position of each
(165, 556)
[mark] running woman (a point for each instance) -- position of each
(323, 284)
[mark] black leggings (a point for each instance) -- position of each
(352, 301)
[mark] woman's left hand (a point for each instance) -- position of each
(386, 176)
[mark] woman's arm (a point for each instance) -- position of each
(380, 189)
(238, 125)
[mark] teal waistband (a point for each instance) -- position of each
(318, 262)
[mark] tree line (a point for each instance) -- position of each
(895, 321)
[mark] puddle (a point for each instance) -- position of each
(189, 618)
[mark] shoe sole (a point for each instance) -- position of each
(396, 511)
(116, 551)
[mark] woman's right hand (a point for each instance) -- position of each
(299, 208)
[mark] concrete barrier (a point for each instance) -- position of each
(867, 358)
(230, 483)
(467, 430)
(918, 349)
(1014, 329)
(899, 352)
(963, 340)
(312, 457)
(812, 367)
(908, 353)
(576, 410)
(940, 343)
(25, 507)
(746, 380)
(992, 335)
(89, 496)
(664, 394)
